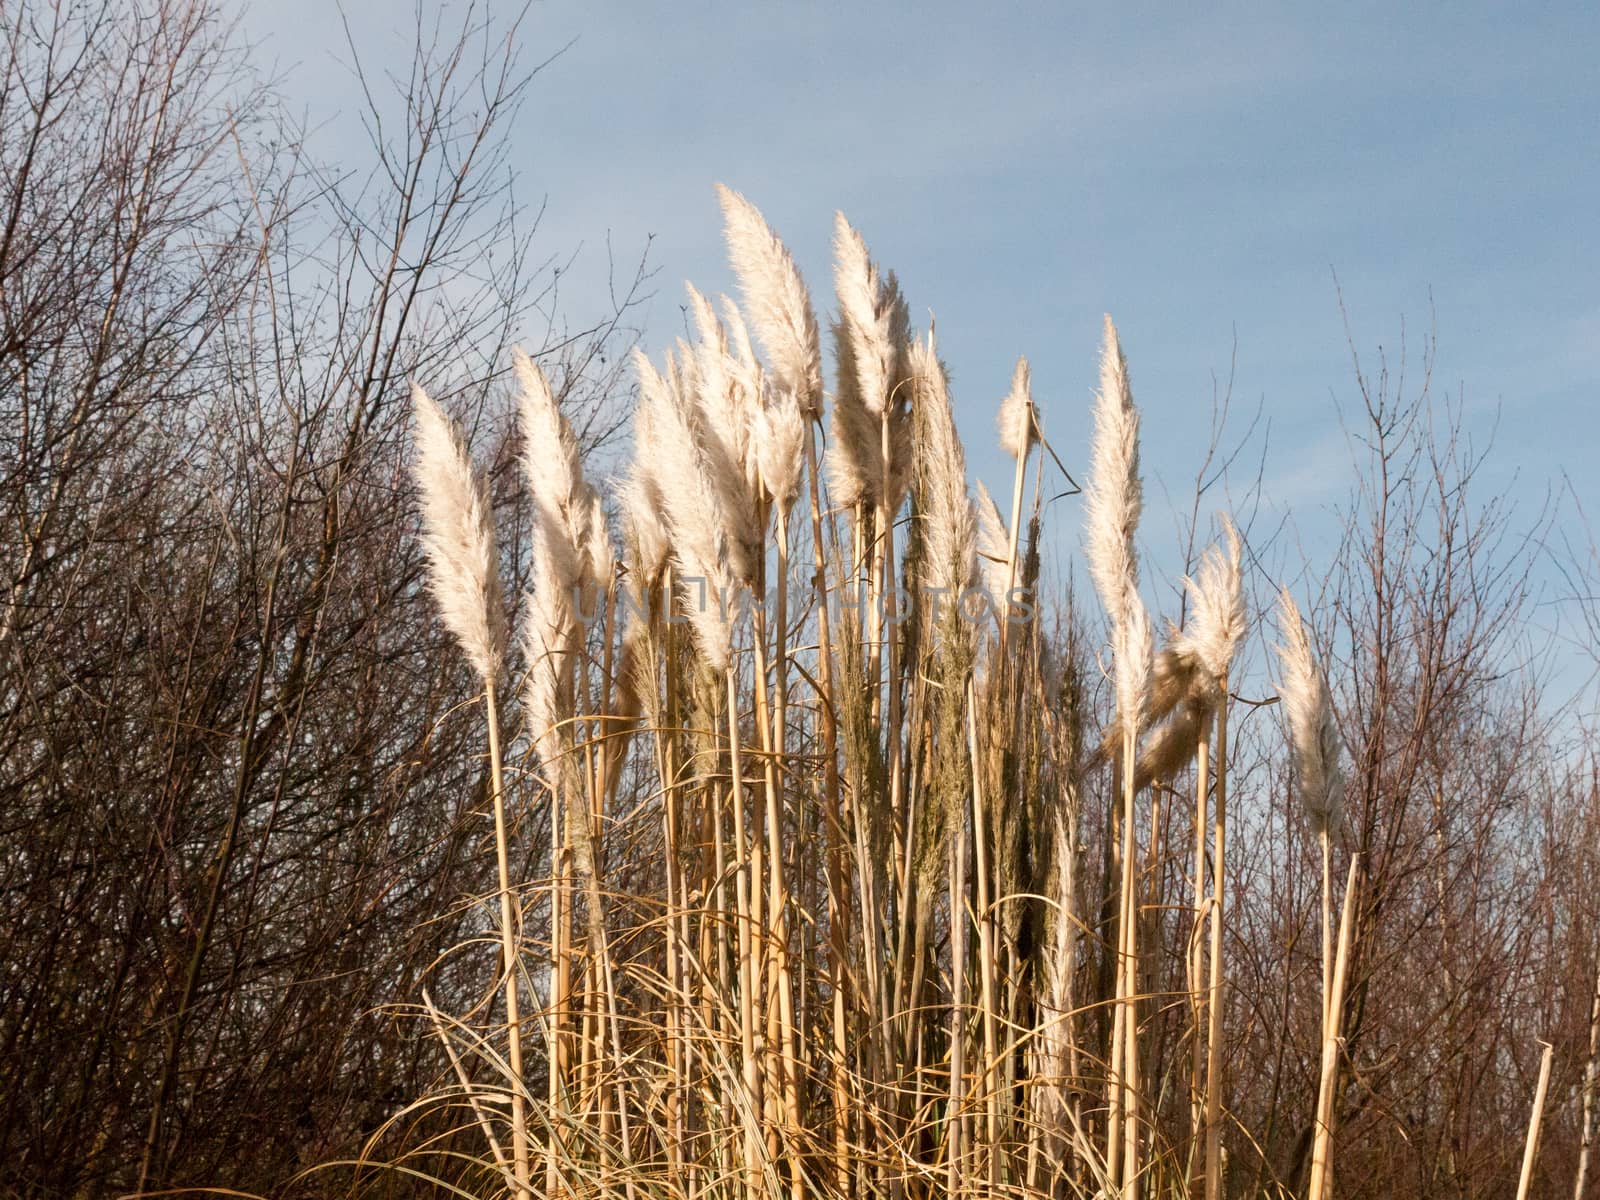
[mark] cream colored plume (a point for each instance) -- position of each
(776, 300)
(553, 475)
(723, 455)
(458, 536)
(751, 381)
(855, 440)
(1217, 619)
(854, 462)
(643, 522)
(1114, 495)
(868, 316)
(600, 556)
(550, 640)
(1313, 735)
(1016, 417)
(948, 520)
(1132, 653)
(724, 389)
(694, 512)
(571, 551)
(779, 440)
(994, 548)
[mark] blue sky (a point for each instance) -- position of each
(1199, 174)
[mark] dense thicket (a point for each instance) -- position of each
(222, 687)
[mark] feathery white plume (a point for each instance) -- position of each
(853, 460)
(1217, 624)
(951, 528)
(458, 536)
(553, 475)
(1016, 416)
(1313, 734)
(694, 512)
(751, 391)
(1114, 496)
(855, 443)
(994, 547)
(600, 557)
(725, 400)
(550, 640)
(565, 507)
(723, 460)
(780, 432)
(1132, 651)
(776, 298)
(867, 316)
(644, 531)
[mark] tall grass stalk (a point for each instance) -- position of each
(464, 571)
(1530, 1149)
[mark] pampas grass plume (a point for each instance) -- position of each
(1115, 495)
(947, 508)
(1016, 416)
(1132, 653)
(994, 547)
(1313, 735)
(776, 298)
(644, 531)
(779, 440)
(694, 511)
(1216, 591)
(458, 536)
(865, 312)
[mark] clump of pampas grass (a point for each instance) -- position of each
(796, 1002)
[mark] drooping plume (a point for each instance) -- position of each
(458, 536)
(1313, 734)
(1016, 417)
(1186, 681)
(1172, 744)
(1114, 494)
(776, 299)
